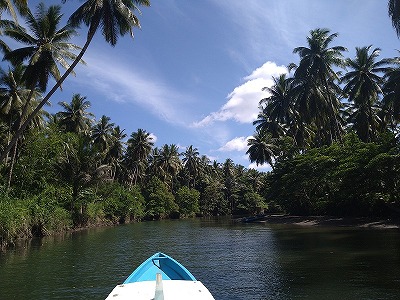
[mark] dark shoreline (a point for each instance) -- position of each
(316, 221)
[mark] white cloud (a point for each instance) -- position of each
(236, 144)
(153, 137)
(243, 101)
(264, 167)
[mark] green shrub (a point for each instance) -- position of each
(14, 221)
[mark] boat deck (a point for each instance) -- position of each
(173, 289)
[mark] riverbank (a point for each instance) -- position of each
(361, 222)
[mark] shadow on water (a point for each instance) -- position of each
(235, 261)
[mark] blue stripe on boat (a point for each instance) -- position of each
(169, 268)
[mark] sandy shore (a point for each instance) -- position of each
(331, 221)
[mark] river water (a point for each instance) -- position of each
(234, 261)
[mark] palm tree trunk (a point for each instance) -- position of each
(14, 155)
(18, 133)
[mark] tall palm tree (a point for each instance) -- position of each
(113, 17)
(102, 134)
(78, 167)
(316, 85)
(363, 86)
(75, 117)
(191, 163)
(13, 92)
(46, 47)
(114, 156)
(260, 150)
(170, 163)
(394, 14)
(391, 91)
(279, 105)
(13, 96)
(139, 147)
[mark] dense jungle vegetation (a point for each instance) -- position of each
(330, 131)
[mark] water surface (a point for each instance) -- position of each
(235, 261)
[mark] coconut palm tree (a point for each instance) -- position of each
(113, 17)
(77, 166)
(261, 150)
(191, 163)
(316, 85)
(137, 153)
(102, 134)
(114, 156)
(46, 47)
(170, 163)
(7, 5)
(391, 91)
(394, 14)
(75, 117)
(363, 86)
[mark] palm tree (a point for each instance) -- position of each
(391, 91)
(260, 150)
(116, 149)
(46, 48)
(78, 167)
(139, 147)
(75, 117)
(13, 93)
(7, 5)
(191, 163)
(13, 96)
(102, 134)
(316, 89)
(113, 17)
(279, 105)
(394, 14)
(230, 183)
(363, 86)
(169, 162)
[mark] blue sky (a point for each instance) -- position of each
(193, 74)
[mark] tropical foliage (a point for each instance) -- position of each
(330, 131)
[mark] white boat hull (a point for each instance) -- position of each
(172, 290)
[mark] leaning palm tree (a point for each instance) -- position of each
(363, 87)
(75, 117)
(113, 17)
(394, 14)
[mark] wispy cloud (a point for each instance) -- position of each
(243, 101)
(122, 84)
